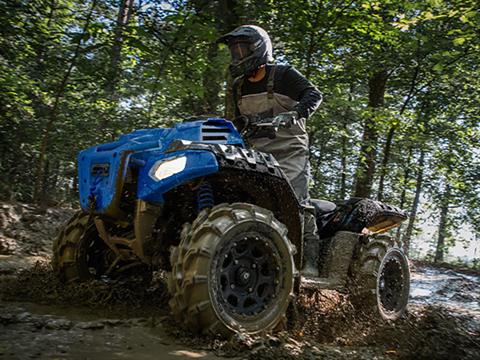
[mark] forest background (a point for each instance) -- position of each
(400, 78)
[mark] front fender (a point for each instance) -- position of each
(198, 164)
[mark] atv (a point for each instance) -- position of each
(225, 223)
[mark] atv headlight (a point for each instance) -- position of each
(163, 169)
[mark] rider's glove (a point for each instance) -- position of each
(241, 122)
(285, 119)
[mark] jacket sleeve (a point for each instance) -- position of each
(297, 87)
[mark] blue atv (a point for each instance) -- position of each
(224, 221)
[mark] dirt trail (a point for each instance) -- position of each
(42, 318)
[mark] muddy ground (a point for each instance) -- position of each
(41, 318)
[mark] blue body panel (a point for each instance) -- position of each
(103, 168)
(199, 163)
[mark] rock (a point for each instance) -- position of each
(59, 324)
(91, 325)
(8, 246)
(24, 317)
(24, 230)
(316, 351)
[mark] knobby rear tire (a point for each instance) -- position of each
(381, 280)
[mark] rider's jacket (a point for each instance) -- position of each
(291, 90)
(282, 89)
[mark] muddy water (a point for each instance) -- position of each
(457, 292)
(33, 331)
(64, 329)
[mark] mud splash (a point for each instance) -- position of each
(424, 332)
(40, 285)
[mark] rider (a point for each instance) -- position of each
(265, 90)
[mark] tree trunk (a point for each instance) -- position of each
(44, 191)
(166, 52)
(45, 142)
(386, 156)
(57, 173)
(317, 175)
(114, 70)
(367, 161)
(229, 102)
(226, 18)
(124, 14)
(406, 178)
(211, 85)
(413, 213)
(231, 11)
(442, 226)
(347, 119)
(343, 175)
(391, 133)
(74, 189)
(42, 48)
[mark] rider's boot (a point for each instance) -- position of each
(311, 248)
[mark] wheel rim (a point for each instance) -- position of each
(248, 274)
(392, 286)
(258, 309)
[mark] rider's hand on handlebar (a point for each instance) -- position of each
(241, 122)
(285, 119)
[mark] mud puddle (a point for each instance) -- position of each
(41, 318)
(459, 293)
(32, 331)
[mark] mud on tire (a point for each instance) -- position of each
(381, 279)
(68, 247)
(232, 271)
(79, 254)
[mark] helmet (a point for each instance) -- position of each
(250, 47)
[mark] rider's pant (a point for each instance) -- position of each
(291, 152)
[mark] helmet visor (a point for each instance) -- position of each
(240, 50)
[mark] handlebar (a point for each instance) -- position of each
(257, 127)
(267, 122)
(263, 125)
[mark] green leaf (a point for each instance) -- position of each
(438, 67)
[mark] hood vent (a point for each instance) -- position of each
(214, 132)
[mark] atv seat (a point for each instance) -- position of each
(323, 206)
